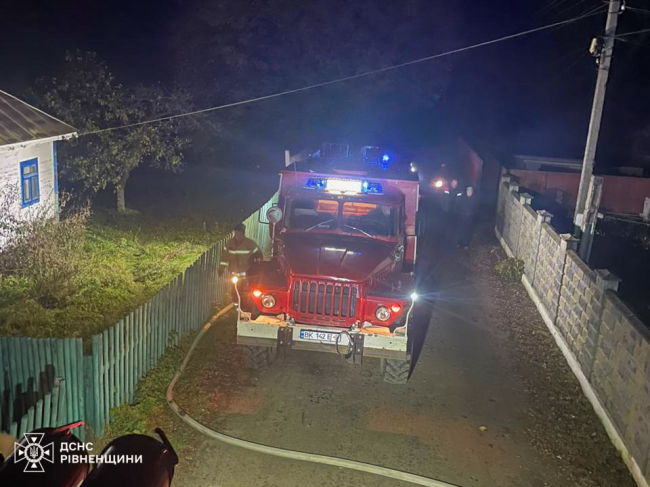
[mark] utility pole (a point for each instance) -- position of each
(604, 57)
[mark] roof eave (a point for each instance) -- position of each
(26, 143)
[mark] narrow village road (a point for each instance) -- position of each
(462, 418)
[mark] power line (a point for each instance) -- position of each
(642, 31)
(572, 6)
(347, 78)
(640, 10)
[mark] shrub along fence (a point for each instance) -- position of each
(48, 382)
(606, 345)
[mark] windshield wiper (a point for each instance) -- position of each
(319, 224)
(359, 230)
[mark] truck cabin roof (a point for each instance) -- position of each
(390, 196)
(352, 167)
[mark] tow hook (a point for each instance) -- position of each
(354, 348)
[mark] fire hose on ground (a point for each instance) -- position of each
(282, 452)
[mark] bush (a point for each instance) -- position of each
(80, 275)
(42, 250)
(510, 269)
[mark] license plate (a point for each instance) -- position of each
(323, 336)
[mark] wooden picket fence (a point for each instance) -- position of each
(48, 382)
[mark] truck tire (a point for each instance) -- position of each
(396, 371)
(259, 357)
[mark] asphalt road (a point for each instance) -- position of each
(461, 418)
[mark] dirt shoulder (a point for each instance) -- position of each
(564, 426)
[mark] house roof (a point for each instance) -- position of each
(20, 122)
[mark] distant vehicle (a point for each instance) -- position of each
(342, 274)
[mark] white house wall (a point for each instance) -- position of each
(10, 160)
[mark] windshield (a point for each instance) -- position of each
(307, 214)
(369, 219)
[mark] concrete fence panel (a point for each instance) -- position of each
(549, 270)
(501, 201)
(621, 377)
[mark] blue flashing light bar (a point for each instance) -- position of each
(385, 157)
(315, 183)
(321, 184)
(372, 188)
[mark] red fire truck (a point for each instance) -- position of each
(342, 275)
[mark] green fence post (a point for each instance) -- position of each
(148, 363)
(69, 381)
(140, 347)
(63, 383)
(38, 368)
(24, 359)
(90, 428)
(38, 418)
(81, 390)
(106, 378)
(47, 409)
(110, 373)
(120, 363)
(98, 388)
(128, 363)
(48, 344)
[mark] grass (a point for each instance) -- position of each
(150, 410)
(126, 260)
(510, 269)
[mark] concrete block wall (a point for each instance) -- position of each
(607, 346)
(549, 269)
(621, 376)
(528, 238)
(512, 220)
(581, 308)
(501, 201)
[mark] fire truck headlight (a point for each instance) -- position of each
(268, 301)
(414, 296)
(382, 313)
(235, 279)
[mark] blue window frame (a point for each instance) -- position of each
(29, 182)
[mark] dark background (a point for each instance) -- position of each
(528, 95)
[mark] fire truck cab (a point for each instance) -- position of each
(342, 274)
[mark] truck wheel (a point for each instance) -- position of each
(259, 357)
(396, 371)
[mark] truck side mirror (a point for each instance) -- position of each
(273, 215)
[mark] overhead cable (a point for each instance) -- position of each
(347, 78)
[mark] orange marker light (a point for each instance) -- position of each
(396, 308)
(257, 293)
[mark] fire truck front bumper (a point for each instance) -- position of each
(269, 331)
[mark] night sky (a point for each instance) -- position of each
(530, 95)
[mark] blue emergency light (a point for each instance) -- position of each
(339, 186)
(368, 187)
(315, 183)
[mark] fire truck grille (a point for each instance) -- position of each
(325, 298)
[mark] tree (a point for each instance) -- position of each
(228, 51)
(88, 97)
